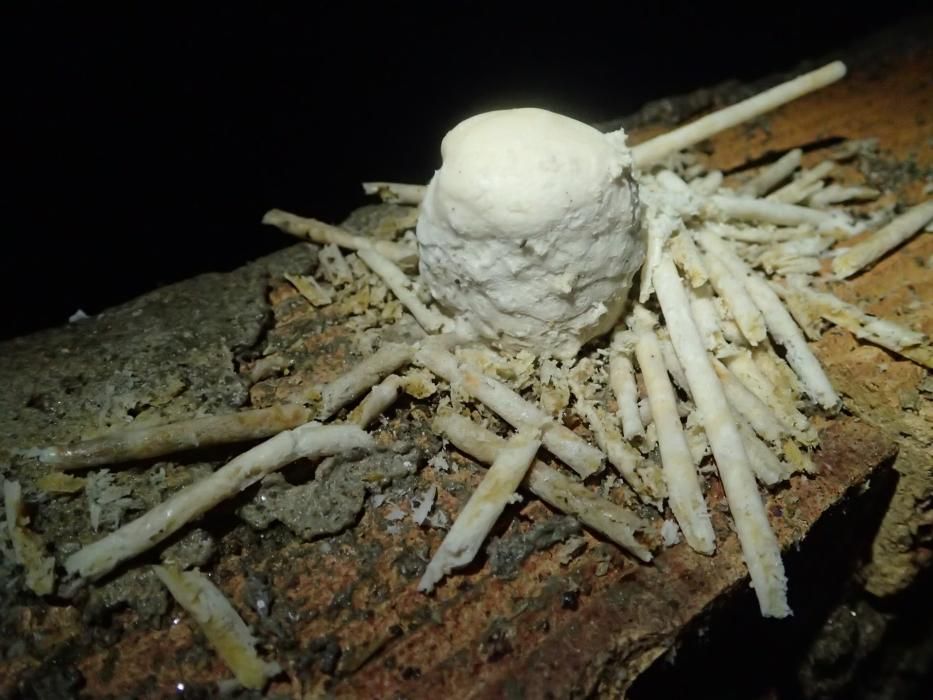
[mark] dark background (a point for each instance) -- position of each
(145, 144)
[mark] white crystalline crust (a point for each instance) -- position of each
(529, 230)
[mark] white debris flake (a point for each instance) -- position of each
(422, 506)
(441, 463)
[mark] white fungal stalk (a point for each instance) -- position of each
(779, 322)
(731, 289)
(622, 381)
(806, 185)
(551, 485)
(772, 175)
(406, 291)
(872, 248)
(352, 384)
(759, 544)
(28, 548)
(325, 234)
(743, 366)
(573, 450)
(746, 404)
(159, 440)
(308, 441)
(893, 336)
(658, 148)
(396, 192)
(485, 506)
(683, 486)
(620, 454)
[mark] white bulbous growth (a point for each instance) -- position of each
(529, 231)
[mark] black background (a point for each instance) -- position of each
(145, 144)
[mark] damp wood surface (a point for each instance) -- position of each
(341, 613)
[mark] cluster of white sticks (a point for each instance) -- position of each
(710, 380)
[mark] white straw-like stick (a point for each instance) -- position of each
(377, 401)
(404, 290)
(744, 367)
(766, 465)
(731, 289)
(622, 381)
(621, 455)
(756, 412)
(759, 544)
(221, 624)
(490, 498)
(555, 488)
(338, 393)
(689, 259)
(683, 484)
(868, 251)
(324, 234)
(658, 148)
(772, 175)
(804, 185)
(309, 440)
(893, 336)
(155, 441)
(835, 194)
(396, 192)
(769, 212)
(786, 331)
(565, 444)
(780, 324)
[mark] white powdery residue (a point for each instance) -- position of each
(670, 533)
(422, 506)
